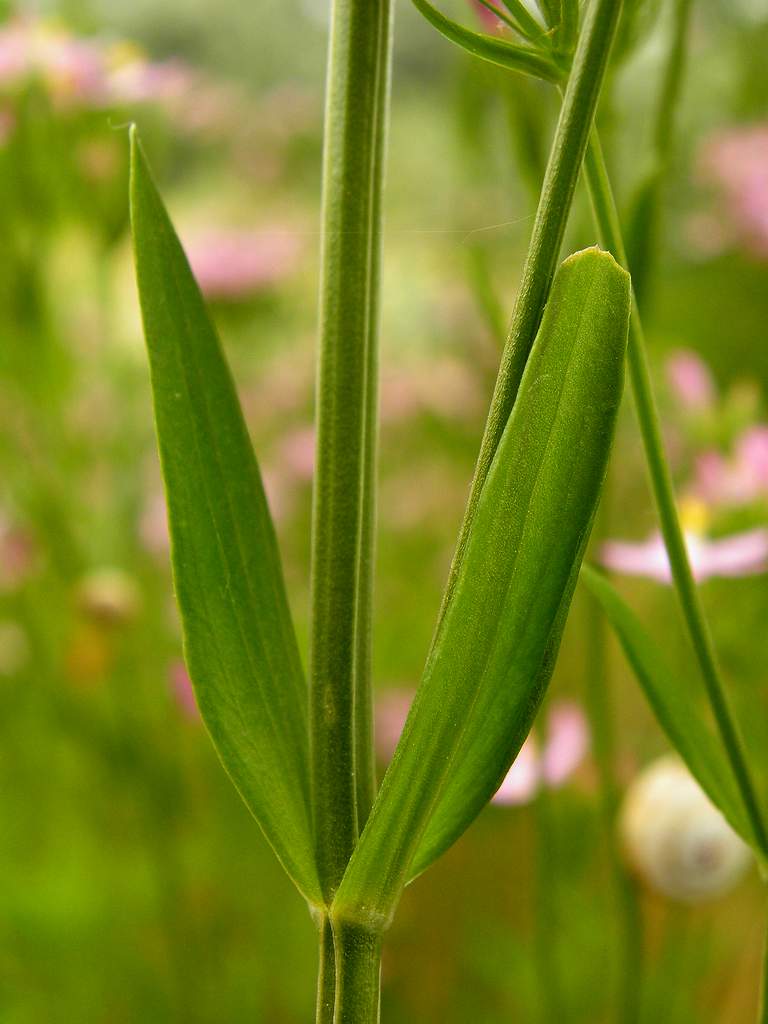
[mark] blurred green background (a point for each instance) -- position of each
(134, 886)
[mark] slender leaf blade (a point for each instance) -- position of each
(526, 60)
(239, 639)
(675, 702)
(496, 644)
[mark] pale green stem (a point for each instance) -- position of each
(358, 974)
(326, 971)
(343, 513)
(609, 229)
(365, 764)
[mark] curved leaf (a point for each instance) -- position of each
(239, 640)
(675, 701)
(493, 654)
(524, 59)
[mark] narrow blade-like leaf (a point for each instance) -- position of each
(675, 702)
(239, 640)
(524, 59)
(495, 648)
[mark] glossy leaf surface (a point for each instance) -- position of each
(675, 701)
(494, 651)
(239, 640)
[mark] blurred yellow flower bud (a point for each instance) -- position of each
(108, 596)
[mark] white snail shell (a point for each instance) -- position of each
(675, 838)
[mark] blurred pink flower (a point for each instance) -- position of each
(445, 388)
(739, 480)
(736, 161)
(565, 746)
(690, 380)
(73, 69)
(234, 265)
(489, 20)
(153, 525)
(740, 554)
(17, 555)
(296, 453)
(95, 72)
(182, 690)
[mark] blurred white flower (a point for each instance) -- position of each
(675, 838)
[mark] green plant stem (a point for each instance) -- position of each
(551, 996)
(358, 971)
(326, 971)
(563, 167)
(600, 713)
(343, 512)
(609, 228)
(643, 233)
(762, 1010)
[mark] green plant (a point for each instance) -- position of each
(300, 754)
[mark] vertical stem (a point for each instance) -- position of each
(551, 996)
(643, 230)
(557, 190)
(762, 1011)
(343, 517)
(630, 924)
(358, 973)
(365, 763)
(326, 972)
(661, 484)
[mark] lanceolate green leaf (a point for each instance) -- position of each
(524, 59)
(675, 702)
(239, 639)
(490, 662)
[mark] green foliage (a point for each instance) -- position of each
(525, 59)
(239, 639)
(674, 699)
(496, 644)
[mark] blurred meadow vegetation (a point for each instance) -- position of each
(135, 886)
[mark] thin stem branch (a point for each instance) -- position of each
(326, 972)
(644, 224)
(563, 167)
(365, 763)
(629, 918)
(609, 228)
(343, 513)
(762, 1010)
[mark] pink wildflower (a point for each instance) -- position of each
(182, 690)
(234, 265)
(740, 554)
(489, 20)
(690, 380)
(740, 480)
(17, 555)
(566, 744)
(296, 453)
(736, 161)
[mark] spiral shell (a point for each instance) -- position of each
(674, 837)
